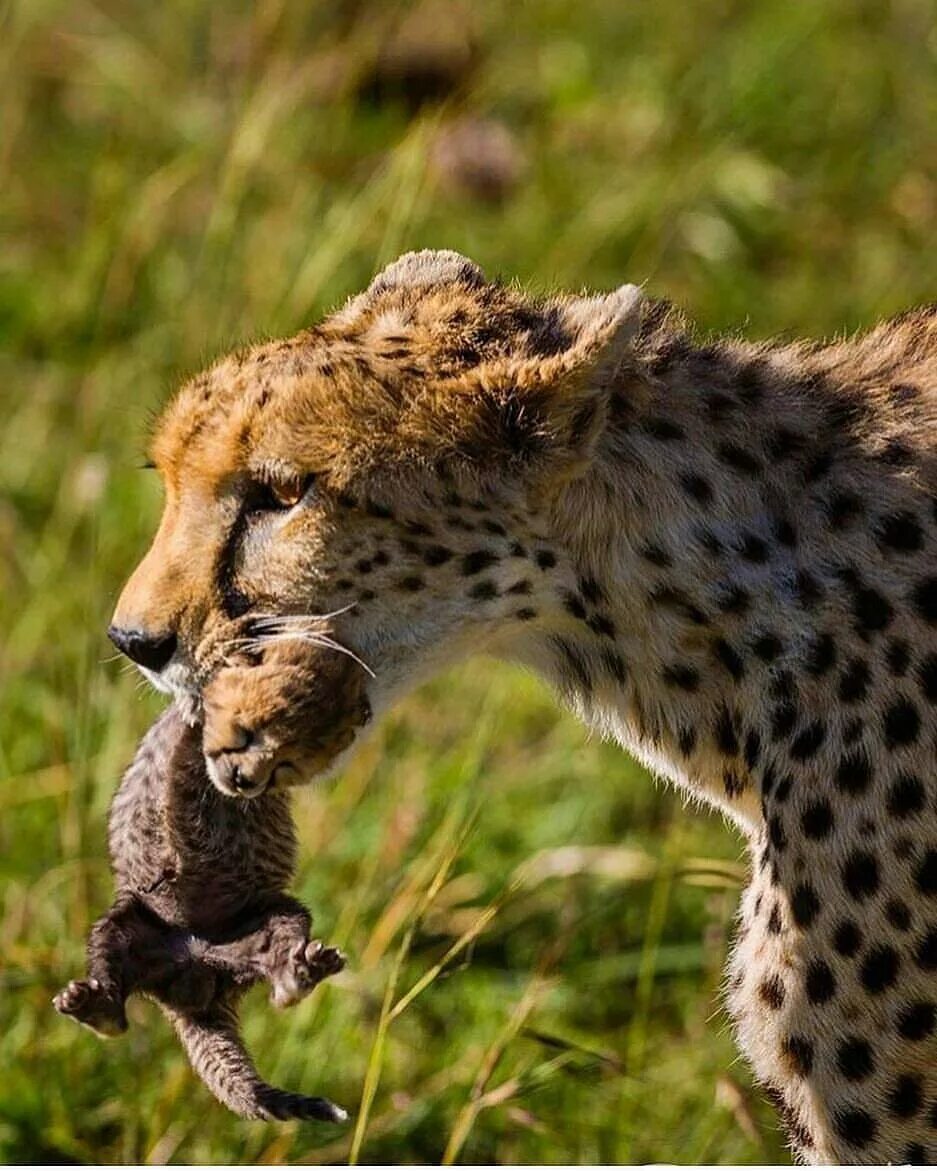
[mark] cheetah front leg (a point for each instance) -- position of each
(278, 949)
(834, 1005)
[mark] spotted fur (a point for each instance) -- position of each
(724, 555)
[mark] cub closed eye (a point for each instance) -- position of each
(277, 495)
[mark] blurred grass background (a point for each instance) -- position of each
(536, 930)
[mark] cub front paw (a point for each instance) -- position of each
(309, 964)
(90, 1005)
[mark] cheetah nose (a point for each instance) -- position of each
(149, 650)
(239, 781)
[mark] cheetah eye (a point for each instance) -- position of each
(277, 495)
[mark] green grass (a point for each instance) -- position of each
(178, 177)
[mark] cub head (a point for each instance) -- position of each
(351, 509)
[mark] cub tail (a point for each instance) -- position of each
(217, 1054)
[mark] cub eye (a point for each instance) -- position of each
(277, 495)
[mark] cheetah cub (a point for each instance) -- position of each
(200, 916)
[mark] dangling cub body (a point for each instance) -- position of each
(199, 917)
(722, 555)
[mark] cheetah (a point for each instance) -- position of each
(200, 914)
(722, 554)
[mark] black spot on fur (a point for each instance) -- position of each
(820, 984)
(879, 969)
(854, 682)
(483, 591)
(854, 773)
(805, 906)
(925, 599)
(854, 1058)
(925, 876)
(519, 589)
(785, 532)
(822, 655)
(916, 1021)
(591, 590)
(738, 458)
(767, 647)
(898, 914)
(902, 723)
(855, 1126)
(860, 875)
(784, 443)
(771, 992)
(726, 736)
(843, 508)
(614, 664)
(870, 610)
(818, 466)
(686, 740)
(848, 938)
(900, 531)
(734, 601)
(574, 604)
(729, 658)
(896, 453)
(799, 1053)
(574, 663)
(683, 676)
(666, 429)
(927, 678)
(657, 556)
(601, 624)
(381, 511)
(677, 600)
(473, 563)
(525, 614)
(718, 405)
(412, 584)
(808, 742)
(906, 796)
(783, 720)
(809, 590)
(754, 549)
(898, 657)
(926, 955)
(697, 486)
(545, 559)
(817, 820)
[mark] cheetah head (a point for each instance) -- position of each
(352, 509)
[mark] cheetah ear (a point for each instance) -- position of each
(427, 268)
(547, 409)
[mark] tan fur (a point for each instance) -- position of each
(724, 555)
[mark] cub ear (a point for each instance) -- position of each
(425, 268)
(547, 409)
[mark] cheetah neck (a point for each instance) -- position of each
(696, 541)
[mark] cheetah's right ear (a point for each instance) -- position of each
(544, 411)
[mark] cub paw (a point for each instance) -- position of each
(89, 1004)
(309, 964)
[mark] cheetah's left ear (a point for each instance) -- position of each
(545, 407)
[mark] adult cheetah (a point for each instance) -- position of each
(724, 555)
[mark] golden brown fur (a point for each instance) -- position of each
(724, 555)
